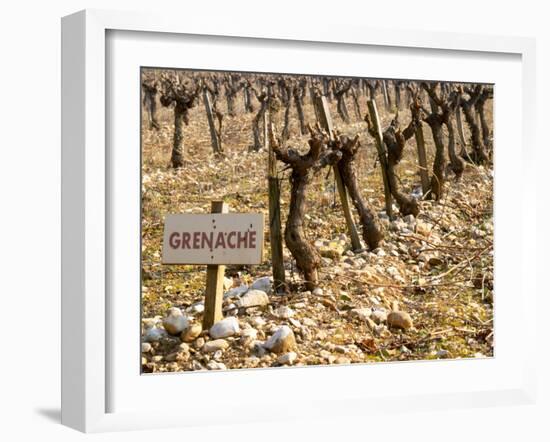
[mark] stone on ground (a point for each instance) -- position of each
(215, 345)
(225, 328)
(282, 341)
(253, 298)
(400, 320)
(175, 322)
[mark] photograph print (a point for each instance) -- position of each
(307, 220)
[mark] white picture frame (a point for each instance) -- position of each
(86, 314)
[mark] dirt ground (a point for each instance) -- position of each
(438, 267)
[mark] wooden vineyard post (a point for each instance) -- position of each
(373, 112)
(275, 236)
(325, 121)
(459, 126)
(214, 282)
(422, 161)
(216, 145)
(266, 126)
(385, 95)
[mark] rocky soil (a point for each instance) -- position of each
(426, 293)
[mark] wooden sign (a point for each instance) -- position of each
(217, 238)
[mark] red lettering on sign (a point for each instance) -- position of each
(252, 239)
(175, 240)
(206, 239)
(185, 237)
(231, 244)
(213, 240)
(220, 241)
(196, 240)
(242, 238)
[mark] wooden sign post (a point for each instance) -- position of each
(214, 282)
(215, 240)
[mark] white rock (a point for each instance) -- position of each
(237, 291)
(258, 347)
(225, 328)
(196, 365)
(150, 322)
(214, 365)
(214, 346)
(191, 333)
(284, 312)
(379, 316)
(360, 313)
(318, 291)
(197, 307)
(232, 309)
(146, 347)
(264, 284)
(175, 322)
(282, 341)
(442, 354)
(154, 334)
(250, 333)
(309, 322)
(253, 298)
(295, 322)
(248, 336)
(258, 321)
(252, 361)
(287, 358)
(227, 283)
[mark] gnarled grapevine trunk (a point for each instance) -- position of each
(443, 106)
(263, 99)
(150, 103)
(480, 109)
(184, 97)
(232, 87)
(340, 92)
(356, 106)
(299, 94)
(180, 119)
(306, 255)
(248, 105)
(395, 141)
(397, 86)
(438, 177)
(478, 155)
(457, 164)
(371, 229)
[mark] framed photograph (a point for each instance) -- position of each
(321, 215)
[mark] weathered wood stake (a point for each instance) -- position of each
(325, 121)
(460, 127)
(275, 236)
(214, 282)
(422, 161)
(373, 112)
(385, 95)
(216, 144)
